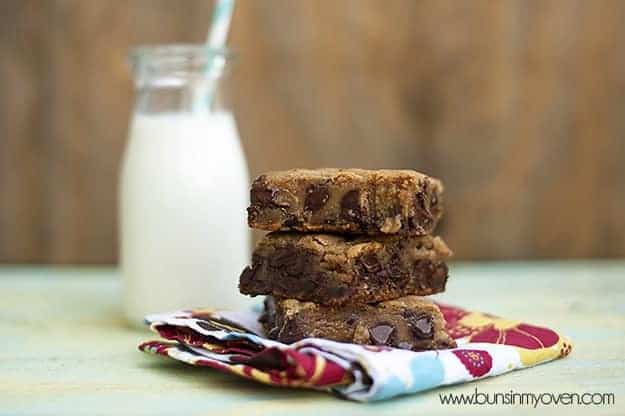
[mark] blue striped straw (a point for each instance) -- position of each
(215, 44)
(222, 16)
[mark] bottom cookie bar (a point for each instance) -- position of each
(410, 323)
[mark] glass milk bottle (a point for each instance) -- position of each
(183, 186)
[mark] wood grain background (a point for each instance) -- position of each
(519, 106)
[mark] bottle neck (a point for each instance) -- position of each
(188, 97)
(180, 79)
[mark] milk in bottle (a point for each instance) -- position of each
(183, 189)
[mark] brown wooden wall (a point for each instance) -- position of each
(519, 106)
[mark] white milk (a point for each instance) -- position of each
(183, 195)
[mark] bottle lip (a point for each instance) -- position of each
(177, 63)
(176, 52)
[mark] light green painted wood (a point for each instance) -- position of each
(65, 350)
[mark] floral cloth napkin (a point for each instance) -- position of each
(232, 342)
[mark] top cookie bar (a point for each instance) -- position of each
(352, 201)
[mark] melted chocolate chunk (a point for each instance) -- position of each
(316, 197)
(291, 262)
(248, 273)
(370, 263)
(381, 334)
(353, 318)
(424, 326)
(339, 291)
(252, 213)
(420, 197)
(423, 217)
(394, 266)
(263, 196)
(436, 272)
(284, 257)
(308, 286)
(421, 325)
(350, 205)
(290, 221)
(440, 270)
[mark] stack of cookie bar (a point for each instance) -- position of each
(349, 255)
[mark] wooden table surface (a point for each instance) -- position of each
(65, 349)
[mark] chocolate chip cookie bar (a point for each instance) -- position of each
(338, 269)
(410, 323)
(353, 201)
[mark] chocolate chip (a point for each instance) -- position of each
(420, 197)
(350, 205)
(352, 319)
(316, 197)
(381, 334)
(420, 223)
(290, 221)
(339, 291)
(308, 286)
(292, 263)
(421, 325)
(248, 274)
(252, 214)
(424, 326)
(284, 257)
(440, 271)
(394, 266)
(370, 263)
(262, 196)
(423, 217)
(434, 272)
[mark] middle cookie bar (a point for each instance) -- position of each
(335, 270)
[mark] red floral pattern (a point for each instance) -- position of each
(522, 335)
(478, 363)
(481, 327)
(270, 366)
